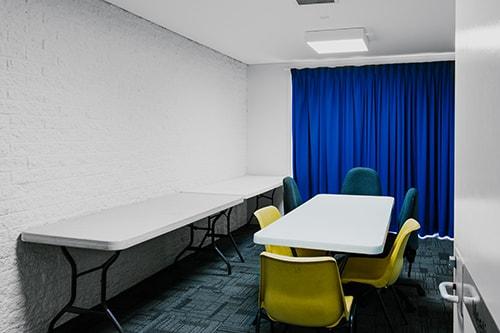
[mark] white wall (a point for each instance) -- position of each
(477, 154)
(99, 108)
(269, 120)
(269, 107)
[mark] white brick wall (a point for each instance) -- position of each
(99, 108)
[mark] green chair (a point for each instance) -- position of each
(408, 211)
(291, 195)
(362, 181)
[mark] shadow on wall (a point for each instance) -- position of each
(44, 273)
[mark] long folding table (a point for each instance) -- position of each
(120, 228)
(247, 187)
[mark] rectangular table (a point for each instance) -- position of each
(247, 187)
(122, 227)
(336, 223)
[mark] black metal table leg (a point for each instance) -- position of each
(262, 196)
(210, 232)
(214, 245)
(230, 235)
(70, 308)
(72, 297)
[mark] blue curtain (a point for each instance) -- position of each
(397, 119)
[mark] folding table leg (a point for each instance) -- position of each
(257, 199)
(210, 232)
(216, 248)
(230, 236)
(70, 308)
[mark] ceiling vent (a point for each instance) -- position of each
(314, 2)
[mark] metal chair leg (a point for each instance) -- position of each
(386, 313)
(410, 307)
(352, 319)
(257, 322)
(394, 292)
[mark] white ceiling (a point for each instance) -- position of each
(272, 31)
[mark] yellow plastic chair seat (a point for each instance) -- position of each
(380, 272)
(365, 271)
(303, 291)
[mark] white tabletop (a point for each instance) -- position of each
(122, 227)
(246, 186)
(338, 223)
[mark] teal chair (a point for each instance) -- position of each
(291, 195)
(409, 210)
(362, 181)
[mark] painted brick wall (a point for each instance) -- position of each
(99, 108)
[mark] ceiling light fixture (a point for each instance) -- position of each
(337, 41)
(314, 2)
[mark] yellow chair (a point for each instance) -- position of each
(303, 292)
(381, 272)
(266, 216)
(270, 214)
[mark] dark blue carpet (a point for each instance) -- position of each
(196, 295)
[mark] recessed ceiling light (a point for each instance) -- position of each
(337, 41)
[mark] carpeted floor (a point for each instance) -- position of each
(196, 295)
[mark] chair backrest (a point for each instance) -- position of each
(301, 291)
(362, 181)
(394, 261)
(291, 195)
(409, 209)
(265, 216)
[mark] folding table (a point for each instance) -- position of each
(120, 228)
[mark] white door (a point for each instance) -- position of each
(477, 165)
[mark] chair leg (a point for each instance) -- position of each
(257, 322)
(352, 319)
(410, 307)
(393, 290)
(386, 313)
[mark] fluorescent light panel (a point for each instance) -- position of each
(314, 2)
(337, 41)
